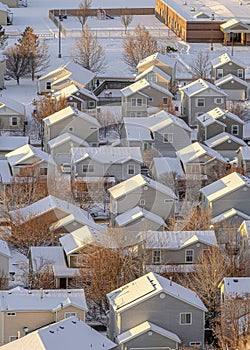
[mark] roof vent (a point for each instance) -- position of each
(51, 331)
(192, 9)
(74, 322)
(235, 281)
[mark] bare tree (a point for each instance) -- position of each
(83, 11)
(3, 280)
(201, 66)
(47, 106)
(17, 63)
(88, 53)
(110, 121)
(126, 18)
(40, 275)
(137, 46)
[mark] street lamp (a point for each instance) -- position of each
(59, 36)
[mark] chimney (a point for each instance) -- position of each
(41, 293)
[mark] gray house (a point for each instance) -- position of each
(5, 257)
(12, 114)
(199, 97)
(153, 312)
(243, 157)
(236, 88)
(226, 64)
(162, 132)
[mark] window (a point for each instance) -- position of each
(219, 73)
(240, 73)
(13, 337)
(139, 102)
(14, 121)
(88, 168)
(194, 343)
(142, 202)
(136, 102)
(152, 77)
(133, 102)
(147, 146)
(48, 85)
(168, 138)
(156, 256)
(91, 104)
(200, 102)
(165, 100)
(131, 169)
(43, 171)
(218, 100)
(189, 255)
(150, 99)
(166, 201)
(235, 130)
(69, 314)
(185, 318)
(11, 314)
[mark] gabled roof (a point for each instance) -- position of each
(24, 153)
(86, 93)
(66, 137)
(4, 249)
(107, 154)
(72, 89)
(225, 57)
(230, 78)
(5, 173)
(10, 143)
(135, 183)
(219, 113)
(142, 84)
(176, 240)
(20, 299)
(164, 165)
(153, 69)
(228, 215)
(196, 150)
(225, 185)
(70, 333)
(12, 104)
(146, 327)
(148, 286)
(157, 57)
(131, 215)
(236, 286)
(77, 218)
(222, 138)
(199, 86)
(245, 152)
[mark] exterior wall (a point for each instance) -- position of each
(142, 224)
(127, 107)
(5, 119)
(4, 265)
(229, 122)
(153, 341)
(243, 163)
(227, 150)
(159, 312)
(211, 130)
(2, 72)
(3, 18)
(235, 95)
(228, 68)
(10, 3)
(52, 77)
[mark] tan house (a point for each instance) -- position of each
(243, 157)
(23, 310)
(12, 114)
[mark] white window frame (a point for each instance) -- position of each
(137, 102)
(235, 126)
(218, 100)
(165, 100)
(142, 201)
(48, 83)
(152, 77)
(70, 314)
(198, 100)
(16, 121)
(91, 104)
(185, 323)
(168, 138)
(156, 256)
(240, 73)
(89, 168)
(129, 168)
(188, 256)
(219, 73)
(195, 343)
(147, 146)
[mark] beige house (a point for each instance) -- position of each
(12, 114)
(23, 310)
(243, 157)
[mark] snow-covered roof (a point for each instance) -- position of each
(21, 299)
(222, 138)
(4, 249)
(86, 93)
(79, 73)
(196, 150)
(218, 113)
(22, 154)
(75, 218)
(143, 328)
(9, 143)
(107, 154)
(66, 92)
(228, 214)
(64, 335)
(175, 240)
(141, 85)
(233, 286)
(230, 78)
(5, 173)
(42, 257)
(136, 182)
(225, 185)
(245, 152)
(226, 58)
(166, 165)
(199, 86)
(148, 286)
(156, 70)
(157, 57)
(137, 132)
(3, 7)
(136, 213)
(66, 137)
(12, 104)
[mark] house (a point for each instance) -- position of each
(233, 287)
(139, 219)
(5, 174)
(23, 310)
(219, 120)
(12, 114)
(29, 161)
(5, 256)
(139, 96)
(4, 14)
(71, 121)
(153, 312)
(65, 334)
(79, 98)
(70, 73)
(155, 75)
(73, 222)
(163, 167)
(173, 250)
(2, 71)
(236, 88)
(121, 163)
(200, 159)
(200, 97)
(162, 132)
(10, 143)
(52, 258)
(229, 192)
(243, 158)
(10, 3)
(226, 64)
(143, 192)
